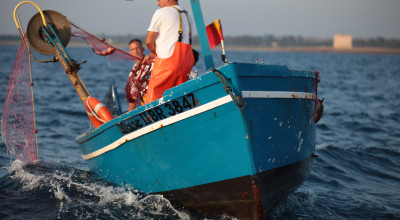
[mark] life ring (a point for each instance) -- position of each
(98, 113)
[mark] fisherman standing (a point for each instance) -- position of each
(169, 41)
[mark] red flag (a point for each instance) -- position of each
(214, 33)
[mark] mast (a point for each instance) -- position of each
(202, 34)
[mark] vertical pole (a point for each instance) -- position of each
(26, 44)
(202, 34)
(33, 106)
(223, 56)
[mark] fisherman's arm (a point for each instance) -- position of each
(151, 45)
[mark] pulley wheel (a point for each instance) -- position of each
(37, 37)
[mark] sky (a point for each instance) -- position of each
(306, 18)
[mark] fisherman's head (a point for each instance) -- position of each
(136, 48)
(166, 3)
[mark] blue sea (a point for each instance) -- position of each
(356, 176)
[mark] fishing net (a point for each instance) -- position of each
(100, 46)
(18, 122)
(137, 82)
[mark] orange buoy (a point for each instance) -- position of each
(98, 113)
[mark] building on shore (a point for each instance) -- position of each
(342, 41)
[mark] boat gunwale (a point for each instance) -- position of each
(170, 94)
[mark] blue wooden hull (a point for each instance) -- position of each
(195, 142)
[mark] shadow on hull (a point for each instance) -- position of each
(247, 197)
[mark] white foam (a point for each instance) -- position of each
(107, 195)
(322, 146)
(28, 180)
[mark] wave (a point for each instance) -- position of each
(69, 193)
(356, 180)
(303, 205)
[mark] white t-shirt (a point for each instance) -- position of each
(165, 22)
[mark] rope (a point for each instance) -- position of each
(227, 88)
(93, 112)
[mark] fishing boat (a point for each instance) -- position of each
(234, 141)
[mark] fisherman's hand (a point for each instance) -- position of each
(105, 52)
(149, 58)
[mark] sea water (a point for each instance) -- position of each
(356, 176)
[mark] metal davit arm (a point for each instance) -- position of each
(22, 34)
(19, 4)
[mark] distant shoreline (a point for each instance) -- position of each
(319, 49)
(313, 49)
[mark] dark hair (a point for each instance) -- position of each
(135, 40)
(195, 55)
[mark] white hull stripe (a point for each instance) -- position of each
(157, 125)
(277, 95)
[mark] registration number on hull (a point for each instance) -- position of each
(158, 113)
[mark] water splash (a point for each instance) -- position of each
(80, 194)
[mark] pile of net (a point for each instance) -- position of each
(18, 122)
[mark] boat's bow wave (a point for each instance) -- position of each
(69, 193)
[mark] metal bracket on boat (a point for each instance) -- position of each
(56, 34)
(48, 33)
(237, 99)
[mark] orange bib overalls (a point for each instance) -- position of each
(172, 71)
